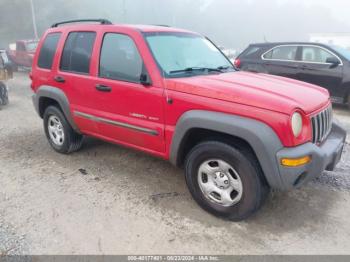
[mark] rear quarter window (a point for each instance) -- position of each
(251, 52)
(48, 50)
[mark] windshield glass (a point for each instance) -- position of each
(344, 52)
(31, 46)
(183, 54)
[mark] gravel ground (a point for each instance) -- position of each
(106, 199)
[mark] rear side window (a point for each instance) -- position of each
(77, 52)
(120, 58)
(282, 53)
(251, 52)
(48, 50)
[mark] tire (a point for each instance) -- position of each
(70, 141)
(243, 171)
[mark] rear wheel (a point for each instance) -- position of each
(59, 133)
(225, 181)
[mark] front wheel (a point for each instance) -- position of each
(59, 133)
(225, 181)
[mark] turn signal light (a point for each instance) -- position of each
(294, 162)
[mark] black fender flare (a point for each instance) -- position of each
(59, 96)
(258, 135)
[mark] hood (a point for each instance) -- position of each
(258, 90)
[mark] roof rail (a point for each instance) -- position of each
(101, 21)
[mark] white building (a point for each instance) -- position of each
(340, 39)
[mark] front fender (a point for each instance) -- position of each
(260, 137)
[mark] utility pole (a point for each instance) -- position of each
(34, 20)
(124, 12)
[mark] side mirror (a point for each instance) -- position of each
(144, 80)
(333, 60)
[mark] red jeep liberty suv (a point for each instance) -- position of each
(173, 94)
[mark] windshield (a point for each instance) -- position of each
(31, 46)
(183, 54)
(344, 52)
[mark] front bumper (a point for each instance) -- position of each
(323, 157)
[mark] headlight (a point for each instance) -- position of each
(297, 124)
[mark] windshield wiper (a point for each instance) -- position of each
(224, 67)
(191, 69)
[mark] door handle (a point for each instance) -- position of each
(103, 88)
(304, 67)
(59, 79)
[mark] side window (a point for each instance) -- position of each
(120, 59)
(48, 50)
(251, 51)
(77, 52)
(282, 53)
(315, 54)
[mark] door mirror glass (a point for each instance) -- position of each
(333, 60)
(144, 79)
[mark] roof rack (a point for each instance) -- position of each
(101, 21)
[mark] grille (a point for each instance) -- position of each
(321, 125)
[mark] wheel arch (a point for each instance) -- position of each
(49, 95)
(196, 125)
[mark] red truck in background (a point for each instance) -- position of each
(22, 52)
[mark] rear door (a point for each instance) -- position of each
(281, 61)
(315, 69)
(73, 76)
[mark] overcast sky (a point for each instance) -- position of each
(230, 23)
(339, 8)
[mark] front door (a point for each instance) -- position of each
(129, 111)
(314, 69)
